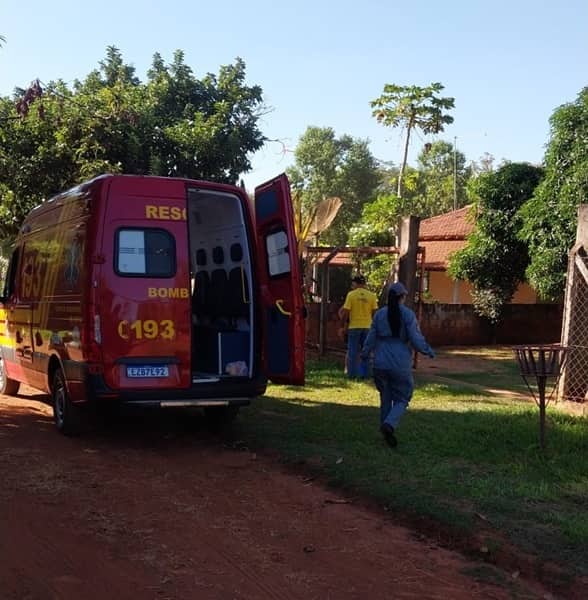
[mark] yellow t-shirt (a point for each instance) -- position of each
(361, 304)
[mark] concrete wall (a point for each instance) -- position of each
(458, 325)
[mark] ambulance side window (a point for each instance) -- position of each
(278, 259)
(9, 276)
(145, 253)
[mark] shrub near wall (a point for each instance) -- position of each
(458, 325)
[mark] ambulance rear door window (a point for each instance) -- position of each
(145, 253)
(278, 259)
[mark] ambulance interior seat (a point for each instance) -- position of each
(238, 286)
(218, 255)
(236, 252)
(219, 288)
(219, 301)
(200, 297)
(201, 257)
(238, 293)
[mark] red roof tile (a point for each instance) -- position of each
(348, 257)
(437, 252)
(454, 225)
(443, 235)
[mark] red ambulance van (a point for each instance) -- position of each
(153, 291)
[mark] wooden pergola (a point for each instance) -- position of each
(411, 260)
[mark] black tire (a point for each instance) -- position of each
(8, 387)
(219, 417)
(67, 416)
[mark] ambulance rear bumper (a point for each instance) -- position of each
(226, 393)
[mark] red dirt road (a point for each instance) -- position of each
(163, 510)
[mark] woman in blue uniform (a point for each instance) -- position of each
(393, 333)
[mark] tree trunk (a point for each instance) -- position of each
(407, 259)
(405, 157)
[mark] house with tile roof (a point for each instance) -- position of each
(447, 316)
(440, 237)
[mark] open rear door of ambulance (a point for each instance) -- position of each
(280, 283)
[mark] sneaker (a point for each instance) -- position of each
(388, 433)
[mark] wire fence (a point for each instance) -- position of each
(574, 382)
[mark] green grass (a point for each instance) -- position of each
(463, 457)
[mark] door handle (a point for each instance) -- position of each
(279, 304)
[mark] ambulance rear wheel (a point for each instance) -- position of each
(67, 416)
(8, 386)
(218, 417)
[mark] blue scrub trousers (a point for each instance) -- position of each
(395, 393)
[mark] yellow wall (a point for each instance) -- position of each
(446, 291)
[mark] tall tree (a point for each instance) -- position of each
(550, 217)
(443, 176)
(495, 259)
(412, 107)
(174, 124)
(327, 166)
(114, 69)
(483, 165)
(428, 191)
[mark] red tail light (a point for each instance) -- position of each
(92, 337)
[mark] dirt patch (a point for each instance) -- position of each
(465, 359)
(158, 508)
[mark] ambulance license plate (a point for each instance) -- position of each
(139, 371)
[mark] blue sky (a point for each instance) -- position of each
(508, 64)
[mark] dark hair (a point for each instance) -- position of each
(394, 319)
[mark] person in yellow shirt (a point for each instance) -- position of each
(359, 308)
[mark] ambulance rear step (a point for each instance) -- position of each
(181, 403)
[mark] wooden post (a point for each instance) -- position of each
(323, 313)
(323, 316)
(407, 260)
(582, 231)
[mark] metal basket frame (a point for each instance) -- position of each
(542, 361)
(545, 361)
